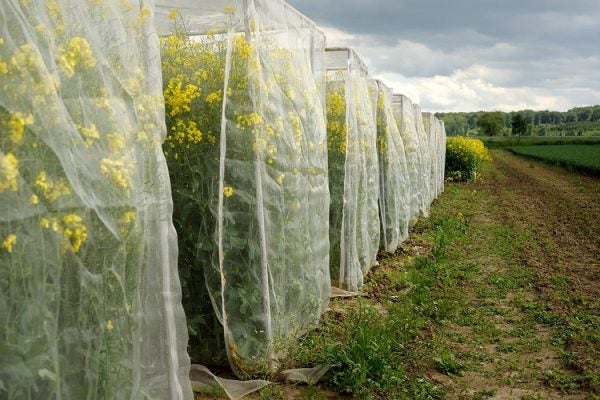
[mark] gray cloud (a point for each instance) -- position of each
(490, 54)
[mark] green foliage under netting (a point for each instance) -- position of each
(251, 206)
(337, 131)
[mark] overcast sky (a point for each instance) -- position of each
(469, 55)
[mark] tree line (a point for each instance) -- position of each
(574, 122)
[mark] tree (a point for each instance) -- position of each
(491, 123)
(570, 116)
(519, 125)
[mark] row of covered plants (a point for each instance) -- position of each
(282, 169)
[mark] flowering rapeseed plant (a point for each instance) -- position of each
(80, 155)
(464, 157)
(353, 178)
(239, 188)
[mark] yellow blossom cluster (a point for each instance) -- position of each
(177, 98)
(52, 190)
(182, 132)
(9, 172)
(77, 54)
(118, 171)
(75, 231)
(89, 134)
(337, 127)
(214, 99)
(8, 242)
(228, 191)
(382, 127)
(71, 226)
(248, 120)
(16, 126)
(243, 47)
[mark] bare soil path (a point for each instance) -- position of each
(540, 289)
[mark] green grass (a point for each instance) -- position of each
(380, 349)
(501, 142)
(579, 156)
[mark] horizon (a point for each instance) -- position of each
(515, 111)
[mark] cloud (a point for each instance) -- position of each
(471, 54)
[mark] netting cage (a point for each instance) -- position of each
(407, 125)
(426, 154)
(433, 129)
(90, 301)
(394, 181)
(353, 169)
(442, 150)
(244, 86)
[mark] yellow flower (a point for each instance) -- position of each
(77, 54)
(40, 28)
(75, 231)
(182, 133)
(178, 100)
(52, 190)
(144, 15)
(128, 217)
(117, 172)
(126, 5)
(214, 99)
(33, 200)
(280, 179)
(109, 325)
(89, 134)
(8, 242)
(173, 14)
(243, 48)
(9, 171)
(116, 142)
(228, 191)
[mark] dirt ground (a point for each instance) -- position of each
(563, 208)
(559, 212)
(536, 297)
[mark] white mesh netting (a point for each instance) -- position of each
(89, 292)
(426, 156)
(405, 119)
(436, 134)
(246, 78)
(394, 183)
(353, 169)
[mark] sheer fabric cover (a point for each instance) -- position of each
(268, 206)
(436, 134)
(407, 125)
(426, 157)
(353, 169)
(394, 180)
(89, 292)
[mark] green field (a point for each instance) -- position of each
(504, 142)
(580, 156)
